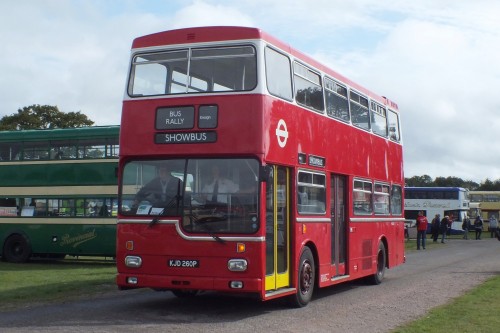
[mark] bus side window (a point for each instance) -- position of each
(311, 193)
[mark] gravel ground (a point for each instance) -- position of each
(428, 279)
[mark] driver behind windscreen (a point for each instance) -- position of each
(161, 190)
(218, 188)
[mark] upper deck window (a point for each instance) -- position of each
(393, 119)
(337, 104)
(379, 119)
(278, 74)
(308, 89)
(194, 71)
(359, 111)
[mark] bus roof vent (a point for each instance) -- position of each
(191, 36)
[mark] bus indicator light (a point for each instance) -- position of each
(129, 245)
(240, 247)
(304, 228)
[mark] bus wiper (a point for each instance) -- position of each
(153, 221)
(201, 222)
(169, 205)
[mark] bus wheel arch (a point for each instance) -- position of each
(381, 263)
(16, 248)
(306, 277)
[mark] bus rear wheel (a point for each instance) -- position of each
(381, 265)
(16, 249)
(305, 279)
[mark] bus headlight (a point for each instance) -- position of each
(133, 261)
(237, 265)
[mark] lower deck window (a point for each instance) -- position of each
(311, 194)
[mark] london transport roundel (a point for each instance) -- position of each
(281, 133)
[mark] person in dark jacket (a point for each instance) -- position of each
(435, 227)
(478, 226)
(444, 227)
(162, 190)
(466, 227)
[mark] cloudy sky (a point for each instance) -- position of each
(439, 60)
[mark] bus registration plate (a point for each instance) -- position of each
(187, 263)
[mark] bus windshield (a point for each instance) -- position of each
(211, 195)
(197, 70)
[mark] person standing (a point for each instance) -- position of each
(478, 227)
(444, 228)
(435, 227)
(493, 226)
(421, 229)
(465, 227)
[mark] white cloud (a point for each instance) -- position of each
(436, 59)
(200, 13)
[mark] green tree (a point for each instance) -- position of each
(471, 185)
(42, 117)
(488, 185)
(449, 182)
(419, 181)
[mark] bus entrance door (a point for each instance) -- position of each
(338, 224)
(277, 229)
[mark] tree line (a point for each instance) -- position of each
(43, 117)
(427, 181)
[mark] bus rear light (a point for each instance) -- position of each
(236, 285)
(237, 265)
(133, 261)
(132, 280)
(240, 247)
(129, 245)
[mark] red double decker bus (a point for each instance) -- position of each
(246, 166)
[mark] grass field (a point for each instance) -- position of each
(476, 311)
(47, 281)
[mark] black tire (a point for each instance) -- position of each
(16, 249)
(381, 265)
(306, 279)
(181, 293)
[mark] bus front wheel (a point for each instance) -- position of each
(305, 279)
(16, 249)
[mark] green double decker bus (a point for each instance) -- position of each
(58, 192)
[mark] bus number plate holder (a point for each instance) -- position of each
(185, 263)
